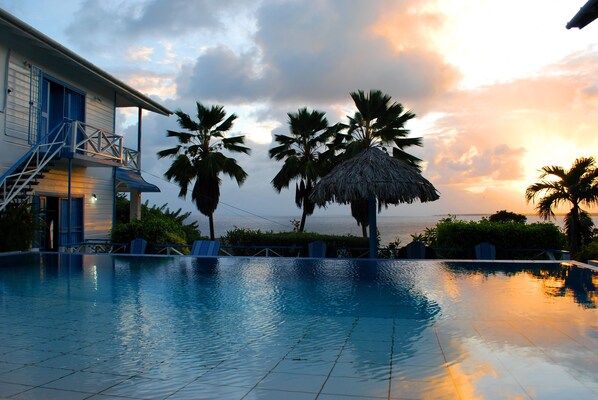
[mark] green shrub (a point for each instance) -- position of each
(189, 231)
(18, 227)
(155, 230)
(588, 252)
(345, 246)
(455, 238)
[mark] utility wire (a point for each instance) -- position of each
(226, 204)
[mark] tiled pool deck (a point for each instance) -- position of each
(50, 350)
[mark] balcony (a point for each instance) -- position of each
(87, 143)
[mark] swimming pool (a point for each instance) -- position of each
(107, 327)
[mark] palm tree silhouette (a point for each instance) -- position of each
(305, 156)
(557, 186)
(198, 157)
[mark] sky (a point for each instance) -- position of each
(500, 87)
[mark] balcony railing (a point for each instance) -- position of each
(101, 144)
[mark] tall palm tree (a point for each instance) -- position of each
(557, 186)
(198, 157)
(305, 156)
(378, 122)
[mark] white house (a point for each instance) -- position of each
(58, 148)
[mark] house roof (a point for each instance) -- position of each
(34, 43)
(585, 15)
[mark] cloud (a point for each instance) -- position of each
(316, 53)
(132, 20)
(499, 135)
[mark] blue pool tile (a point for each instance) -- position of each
(145, 388)
(418, 358)
(73, 362)
(24, 356)
(267, 394)
(441, 389)
(361, 370)
(421, 373)
(89, 382)
(32, 375)
(352, 354)
(176, 371)
(340, 385)
(314, 354)
(306, 367)
(259, 364)
(205, 391)
(7, 367)
(11, 389)
(292, 382)
(370, 345)
(232, 377)
(50, 394)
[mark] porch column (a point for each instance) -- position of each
(135, 205)
(139, 114)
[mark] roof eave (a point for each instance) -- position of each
(586, 14)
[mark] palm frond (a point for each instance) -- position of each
(234, 143)
(185, 121)
(168, 152)
(184, 137)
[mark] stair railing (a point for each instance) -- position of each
(32, 163)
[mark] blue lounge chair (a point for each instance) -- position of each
(138, 246)
(205, 248)
(416, 250)
(316, 249)
(485, 251)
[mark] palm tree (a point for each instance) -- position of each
(557, 186)
(378, 122)
(305, 156)
(198, 157)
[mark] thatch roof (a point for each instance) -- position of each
(373, 171)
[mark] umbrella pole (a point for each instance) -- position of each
(373, 230)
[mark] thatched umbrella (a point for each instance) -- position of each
(373, 174)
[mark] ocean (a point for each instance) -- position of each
(391, 228)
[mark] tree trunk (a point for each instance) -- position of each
(574, 239)
(211, 220)
(303, 218)
(359, 211)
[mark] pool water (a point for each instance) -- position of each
(130, 327)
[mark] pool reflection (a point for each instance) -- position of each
(387, 329)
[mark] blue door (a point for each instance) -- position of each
(59, 102)
(76, 222)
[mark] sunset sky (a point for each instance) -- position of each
(500, 87)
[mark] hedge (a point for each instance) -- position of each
(457, 239)
(336, 246)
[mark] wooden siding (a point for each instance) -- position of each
(84, 183)
(99, 112)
